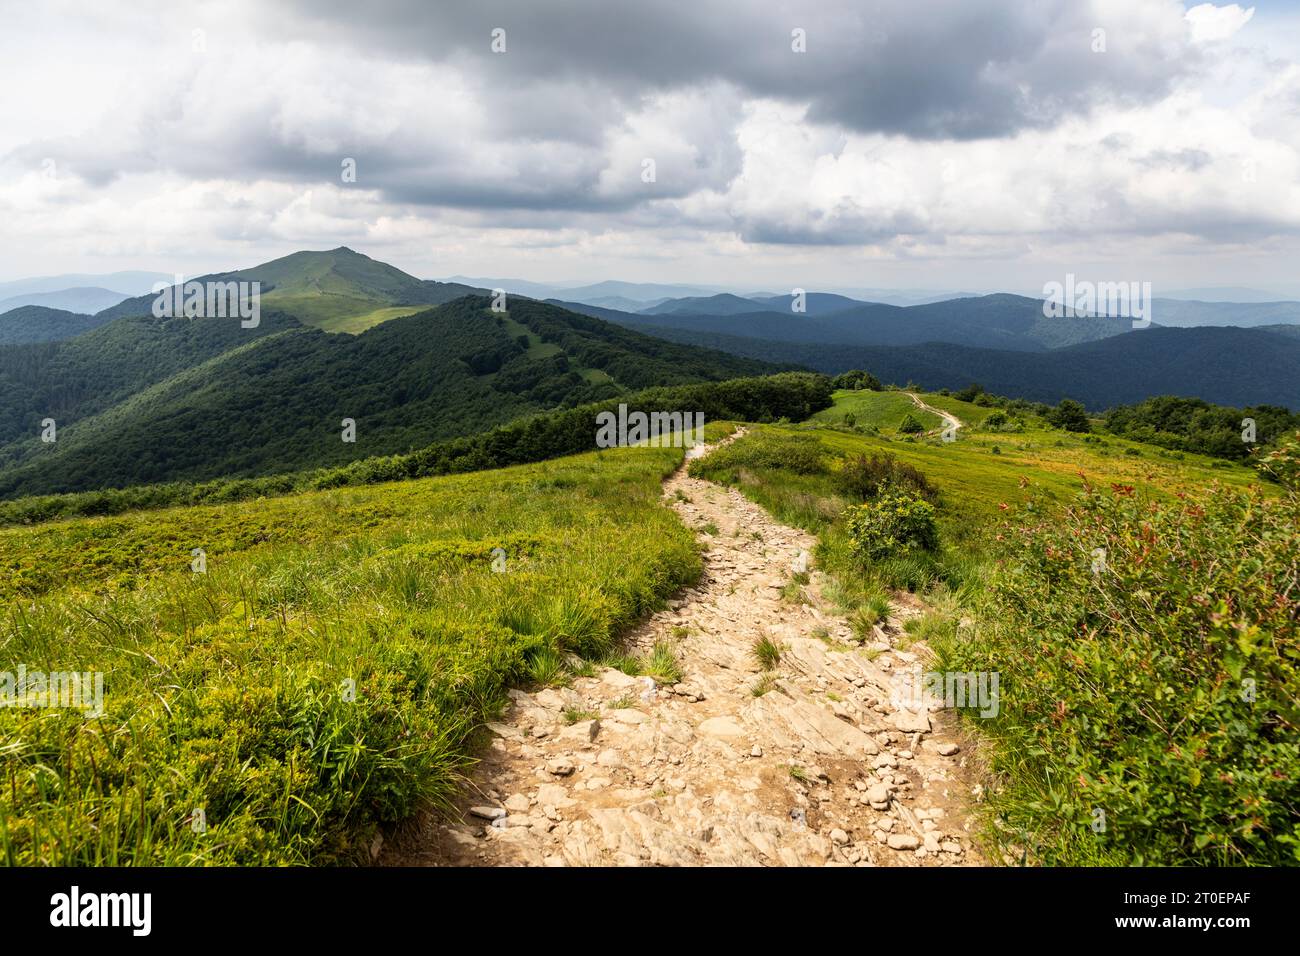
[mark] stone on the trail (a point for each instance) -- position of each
(756, 751)
(724, 728)
(908, 720)
(950, 846)
(839, 837)
(584, 731)
(627, 715)
(505, 730)
(553, 795)
(616, 679)
(878, 796)
(947, 749)
(903, 841)
(560, 767)
(460, 837)
(487, 813)
(609, 757)
(517, 803)
(550, 699)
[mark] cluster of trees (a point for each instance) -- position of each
(857, 380)
(1189, 424)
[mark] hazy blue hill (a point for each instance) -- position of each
(722, 304)
(84, 300)
(122, 283)
(993, 321)
(1227, 366)
(1188, 313)
(36, 323)
(815, 303)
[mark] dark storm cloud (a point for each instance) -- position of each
(941, 69)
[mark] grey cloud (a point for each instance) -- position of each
(946, 69)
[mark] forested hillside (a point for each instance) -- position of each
(36, 323)
(146, 400)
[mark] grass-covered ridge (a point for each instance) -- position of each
(228, 691)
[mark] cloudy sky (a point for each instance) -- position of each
(943, 144)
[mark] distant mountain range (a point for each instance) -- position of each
(1227, 366)
(84, 300)
(123, 283)
(992, 321)
(142, 399)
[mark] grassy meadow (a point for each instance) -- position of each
(1150, 706)
(324, 676)
(884, 411)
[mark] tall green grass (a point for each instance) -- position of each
(326, 674)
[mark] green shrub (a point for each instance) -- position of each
(1283, 464)
(1160, 690)
(894, 523)
(910, 426)
(861, 478)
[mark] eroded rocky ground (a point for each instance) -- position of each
(808, 764)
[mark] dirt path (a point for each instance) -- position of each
(819, 769)
(950, 420)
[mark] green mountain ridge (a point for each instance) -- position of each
(201, 398)
(338, 290)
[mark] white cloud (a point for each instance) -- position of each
(1168, 149)
(1210, 23)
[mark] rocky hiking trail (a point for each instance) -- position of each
(819, 769)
